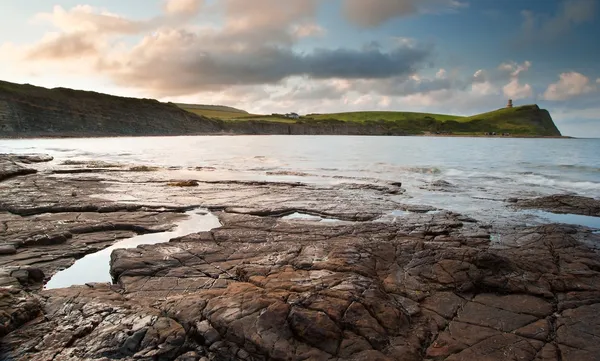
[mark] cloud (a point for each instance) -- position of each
(244, 15)
(177, 7)
(569, 85)
(516, 90)
(444, 91)
(60, 46)
(253, 45)
(83, 30)
(87, 19)
(376, 12)
(179, 62)
(514, 68)
(308, 30)
(571, 13)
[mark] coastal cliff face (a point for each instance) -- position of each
(321, 128)
(27, 110)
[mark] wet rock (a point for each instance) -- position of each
(392, 188)
(143, 168)
(208, 169)
(208, 333)
(16, 309)
(28, 158)
(9, 168)
(187, 183)
(563, 204)
(7, 249)
(440, 185)
(289, 173)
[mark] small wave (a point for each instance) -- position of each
(289, 173)
(543, 181)
(579, 167)
(560, 167)
(261, 169)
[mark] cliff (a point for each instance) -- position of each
(526, 120)
(329, 127)
(31, 111)
(27, 110)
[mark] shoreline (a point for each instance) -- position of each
(82, 136)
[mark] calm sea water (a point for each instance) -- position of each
(483, 171)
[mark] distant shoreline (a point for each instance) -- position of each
(83, 136)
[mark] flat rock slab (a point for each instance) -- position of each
(9, 169)
(261, 288)
(563, 204)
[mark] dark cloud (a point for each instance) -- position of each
(373, 13)
(368, 63)
(399, 87)
(541, 27)
(180, 62)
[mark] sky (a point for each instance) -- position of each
(460, 57)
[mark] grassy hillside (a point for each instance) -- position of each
(362, 117)
(214, 111)
(527, 120)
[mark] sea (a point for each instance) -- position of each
(472, 176)
(481, 172)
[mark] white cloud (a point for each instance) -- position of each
(516, 90)
(515, 68)
(569, 85)
(404, 41)
(308, 30)
(479, 76)
(441, 74)
(182, 6)
(484, 88)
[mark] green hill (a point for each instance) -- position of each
(213, 111)
(527, 120)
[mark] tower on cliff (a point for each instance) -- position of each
(510, 104)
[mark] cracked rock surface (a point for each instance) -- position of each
(362, 286)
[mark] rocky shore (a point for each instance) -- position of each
(295, 272)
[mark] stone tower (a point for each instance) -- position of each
(510, 104)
